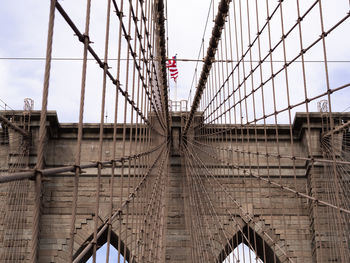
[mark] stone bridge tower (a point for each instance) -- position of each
(251, 207)
(246, 173)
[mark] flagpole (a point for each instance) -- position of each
(175, 91)
(175, 80)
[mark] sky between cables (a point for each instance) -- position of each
(25, 36)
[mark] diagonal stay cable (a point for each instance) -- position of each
(133, 54)
(104, 226)
(64, 169)
(213, 45)
(282, 187)
(116, 82)
(246, 216)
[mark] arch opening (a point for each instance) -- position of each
(101, 255)
(102, 248)
(248, 246)
(242, 253)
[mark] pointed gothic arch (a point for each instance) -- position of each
(263, 248)
(101, 255)
(100, 242)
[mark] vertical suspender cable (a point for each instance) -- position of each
(42, 137)
(210, 57)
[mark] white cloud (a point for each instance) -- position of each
(26, 32)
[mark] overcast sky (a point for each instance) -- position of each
(24, 31)
(23, 34)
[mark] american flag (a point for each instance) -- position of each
(171, 65)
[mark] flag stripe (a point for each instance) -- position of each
(171, 65)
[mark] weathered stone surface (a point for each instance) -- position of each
(298, 226)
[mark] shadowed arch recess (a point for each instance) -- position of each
(263, 250)
(100, 242)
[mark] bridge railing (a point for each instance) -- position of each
(176, 106)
